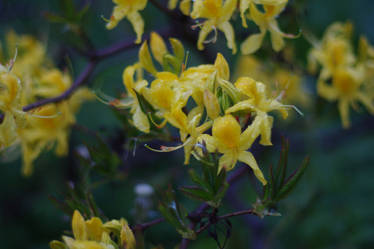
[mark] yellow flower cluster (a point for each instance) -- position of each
(217, 14)
(29, 77)
(344, 77)
(280, 81)
(94, 234)
(129, 9)
(214, 103)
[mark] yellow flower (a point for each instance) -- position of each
(266, 22)
(31, 61)
(344, 77)
(218, 14)
(256, 101)
(279, 81)
(121, 228)
(50, 124)
(347, 89)
(228, 139)
(52, 83)
(334, 51)
(10, 107)
(129, 9)
(139, 118)
(93, 234)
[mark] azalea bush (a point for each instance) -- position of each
(189, 128)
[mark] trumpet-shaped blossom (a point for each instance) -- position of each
(217, 14)
(256, 100)
(93, 234)
(128, 9)
(228, 139)
(266, 21)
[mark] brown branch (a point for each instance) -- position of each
(142, 227)
(226, 216)
(82, 79)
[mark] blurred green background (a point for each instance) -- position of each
(333, 207)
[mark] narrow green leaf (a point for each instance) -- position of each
(197, 193)
(292, 180)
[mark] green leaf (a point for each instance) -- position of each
(292, 180)
(55, 18)
(68, 8)
(281, 172)
(175, 214)
(197, 193)
(219, 196)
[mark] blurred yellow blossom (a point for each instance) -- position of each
(10, 107)
(344, 77)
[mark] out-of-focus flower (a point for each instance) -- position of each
(10, 107)
(344, 77)
(50, 124)
(334, 51)
(129, 9)
(346, 88)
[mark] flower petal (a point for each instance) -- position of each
(249, 159)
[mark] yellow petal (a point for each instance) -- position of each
(204, 32)
(55, 244)
(267, 124)
(277, 40)
(343, 106)
(118, 14)
(141, 120)
(211, 104)
(227, 9)
(158, 47)
(243, 105)
(146, 59)
(244, 6)
(326, 91)
(228, 30)
(79, 226)
(172, 4)
(249, 159)
(138, 24)
(94, 229)
(252, 43)
(227, 131)
(127, 236)
(185, 7)
(366, 101)
(227, 161)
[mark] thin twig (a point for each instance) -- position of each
(83, 77)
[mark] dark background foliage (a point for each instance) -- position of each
(331, 208)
